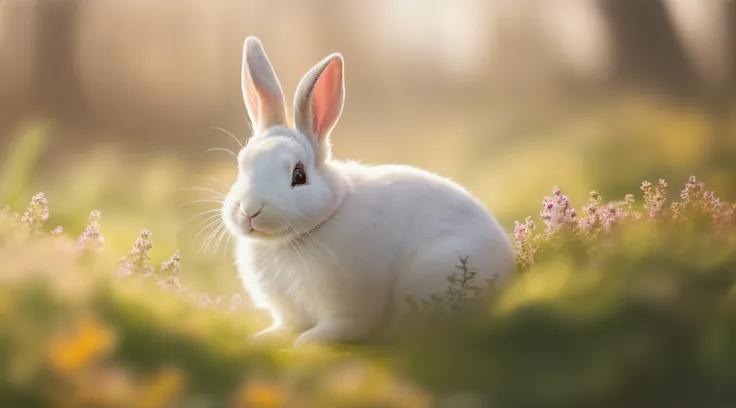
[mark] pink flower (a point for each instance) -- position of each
(525, 247)
(137, 260)
(172, 265)
(590, 221)
(91, 239)
(627, 209)
(37, 212)
(205, 300)
(609, 215)
(654, 200)
(556, 212)
(692, 190)
(605, 216)
(170, 270)
(694, 198)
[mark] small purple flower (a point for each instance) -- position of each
(205, 300)
(171, 270)
(608, 215)
(556, 212)
(37, 212)
(172, 265)
(695, 198)
(91, 239)
(598, 220)
(137, 260)
(525, 248)
(654, 199)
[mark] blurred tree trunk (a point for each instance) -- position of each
(18, 64)
(705, 30)
(57, 82)
(720, 101)
(647, 53)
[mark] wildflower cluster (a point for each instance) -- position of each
(525, 242)
(599, 217)
(90, 239)
(558, 215)
(654, 200)
(234, 303)
(696, 201)
(170, 270)
(556, 211)
(137, 262)
(37, 212)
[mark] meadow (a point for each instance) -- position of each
(623, 297)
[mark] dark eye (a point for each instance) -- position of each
(299, 176)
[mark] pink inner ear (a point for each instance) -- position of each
(252, 102)
(326, 98)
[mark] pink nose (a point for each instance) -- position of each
(250, 217)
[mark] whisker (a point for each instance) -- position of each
(228, 241)
(198, 215)
(207, 238)
(311, 236)
(228, 185)
(219, 240)
(250, 126)
(306, 268)
(222, 149)
(202, 189)
(212, 221)
(211, 237)
(229, 134)
(211, 200)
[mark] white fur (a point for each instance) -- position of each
(334, 259)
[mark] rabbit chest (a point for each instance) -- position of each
(300, 280)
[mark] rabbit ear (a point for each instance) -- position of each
(319, 101)
(262, 91)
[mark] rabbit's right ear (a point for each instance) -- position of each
(262, 91)
(319, 101)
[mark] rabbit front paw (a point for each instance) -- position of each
(331, 332)
(272, 335)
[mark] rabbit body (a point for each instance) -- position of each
(334, 254)
(398, 232)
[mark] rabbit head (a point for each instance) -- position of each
(286, 185)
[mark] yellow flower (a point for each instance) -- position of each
(89, 339)
(162, 389)
(260, 394)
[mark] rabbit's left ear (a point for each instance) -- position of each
(262, 92)
(319, 101)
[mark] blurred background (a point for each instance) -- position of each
(111, 105)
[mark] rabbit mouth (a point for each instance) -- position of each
(265, 235)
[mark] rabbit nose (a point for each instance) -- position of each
(253, 214)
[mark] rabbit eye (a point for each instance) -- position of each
(299, 176)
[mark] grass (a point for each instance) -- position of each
(612, 306)
(623, 303)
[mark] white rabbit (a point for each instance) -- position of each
(332, 248)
